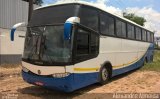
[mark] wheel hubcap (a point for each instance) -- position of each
(104, 74)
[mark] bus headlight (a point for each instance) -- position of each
(60, 75)
(25, 69)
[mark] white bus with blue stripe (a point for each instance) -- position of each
(72, 45)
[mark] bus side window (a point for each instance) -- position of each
(89, 17)
(148, 36)
(82, 42)
(138, 33)
(94, 44)
(121, 28)
(87, 44)
(152, 37)
(130, 29)
(107, 25)
(144, 35)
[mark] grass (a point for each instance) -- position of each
(155, 65)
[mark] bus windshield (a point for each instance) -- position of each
(45, 44)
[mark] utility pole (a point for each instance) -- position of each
(30, 9)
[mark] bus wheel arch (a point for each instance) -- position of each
(105, 66)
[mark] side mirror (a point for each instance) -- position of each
(14, 29)
(68, 27)
(67, 31)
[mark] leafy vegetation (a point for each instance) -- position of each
(155, 65)
(134, 18)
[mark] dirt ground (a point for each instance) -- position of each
(133, 82)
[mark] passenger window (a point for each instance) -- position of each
(124, 29)
(82, 42)
(138, 33)
(148, 36)
(131, 34)
(152, 37)
(89, 17)
(121, 28)
(118, 28)
(87, 44)
(107, 25)
(94, 43)
(144, 35)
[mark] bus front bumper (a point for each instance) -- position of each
(61, 84)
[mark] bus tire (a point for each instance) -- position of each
(151, 57)
(104, 75)
(145, 61)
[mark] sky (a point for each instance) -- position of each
(149, 9)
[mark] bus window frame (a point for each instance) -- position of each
(110, 16)
(132, 25)
(80, 58)
(97, 12)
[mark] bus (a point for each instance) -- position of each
(72, 45)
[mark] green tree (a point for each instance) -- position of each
(38, 2)
(134, 18)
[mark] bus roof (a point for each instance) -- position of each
(92, 5)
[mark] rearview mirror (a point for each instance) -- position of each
(68, 27)
(67, 31)
(22, 24)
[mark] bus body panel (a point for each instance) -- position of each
(124, 55)
(125, 52)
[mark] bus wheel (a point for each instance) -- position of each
(104, 75)
(145, 61)
(151, 58)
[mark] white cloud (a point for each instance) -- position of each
(102, 1)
